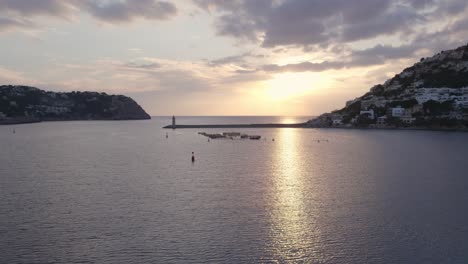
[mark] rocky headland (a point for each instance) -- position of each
(24, 104)
(431, 94)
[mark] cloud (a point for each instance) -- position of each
(336, 34)
(400, 19)
(13, 13)
(9, 76)
(230, 59)
(57, 8)
(305, 23)
(376, 55)
(138, 75)
(244, 77)
(125, 11)
(182, 81)
(304, 66)
(241, 60)
(11, 23)
(152, 65)
(386, 52)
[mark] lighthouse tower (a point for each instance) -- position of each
(173, 122)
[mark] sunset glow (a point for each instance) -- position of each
(292, 85)
(173, 57)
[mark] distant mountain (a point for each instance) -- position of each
(432, 93)
(20, 104)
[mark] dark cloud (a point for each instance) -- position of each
(38, 7)
(230, 59)
(110, 11)
(361, 58)
(134, 65)
(460, 25)
(9, 23)
(399, 21)
(241, 60)
(421, 3)
(321, 23)
(246, 76)
(210, 5)
(385, 52)
(124, 11)
(15, 14)
(242, 19)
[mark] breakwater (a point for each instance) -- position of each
(298, 125)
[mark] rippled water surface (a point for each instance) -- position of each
(120, 192)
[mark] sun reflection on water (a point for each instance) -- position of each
(288, 120)
(292, 237)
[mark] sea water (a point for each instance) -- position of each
(121, 192)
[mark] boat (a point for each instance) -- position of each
(214, 136)
(231, 134)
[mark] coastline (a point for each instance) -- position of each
(21, 121)
(305, 126)
(444, 129)
(299, 125)
(441, 129)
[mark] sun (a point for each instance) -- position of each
(290, 85)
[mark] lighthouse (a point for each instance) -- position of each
(173, 122)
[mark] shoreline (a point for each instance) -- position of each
(300, 125)
(304, 125)
(23, 121)
(18, 121)
(7, 122)
(400, 128)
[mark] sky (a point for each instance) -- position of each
(223, 57)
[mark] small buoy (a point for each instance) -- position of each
(167, 135)
(193, 157)
(208, 140)
(14, 131)
(273, 139)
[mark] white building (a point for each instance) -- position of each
(407, 118)
(436, 94)
(370, 113)
(398, 111)
(461, 100)
(337, 121)
(381, 120)
(463, 104)
(377, 101)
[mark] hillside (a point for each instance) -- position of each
(432, 93)
(20, 104)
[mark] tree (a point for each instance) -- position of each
(405, 103)
(434, 108)
(395, 121)
(364, 121)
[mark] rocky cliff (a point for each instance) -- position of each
(27, 104)
(433, 93)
